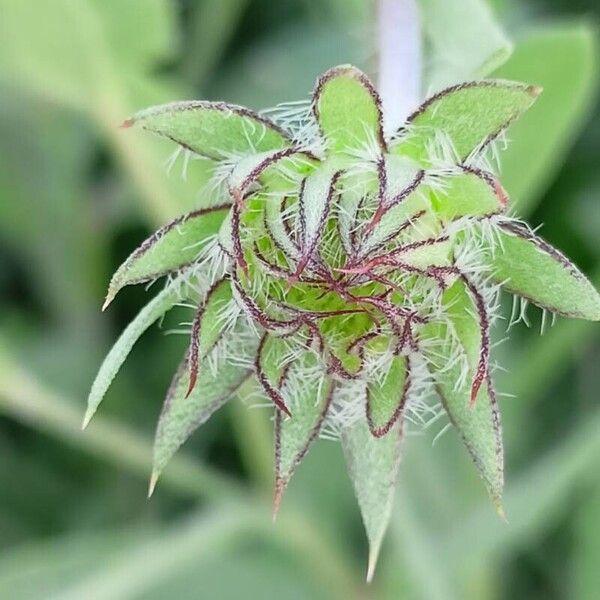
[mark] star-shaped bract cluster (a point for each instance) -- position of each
(348, 271)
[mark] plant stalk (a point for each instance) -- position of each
(399, 58)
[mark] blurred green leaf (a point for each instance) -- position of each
(100, 37)
(212, 25)
(44, 568)
(587, 548)
(479, 48)
(564, 59)
(533, 499)
(27, 401)
(285, 65)
(139, 33)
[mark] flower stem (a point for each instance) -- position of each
(399, 42)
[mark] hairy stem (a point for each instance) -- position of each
(399, 41)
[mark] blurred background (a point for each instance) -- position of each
(77, 195)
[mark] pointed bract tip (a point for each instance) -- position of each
(535, 90)
(110, 296)
(153, 481)
(473, 398)
(87, 418)
(280, 486)
(127, 123)
(373, 558)
(500, 509)
(191, 387)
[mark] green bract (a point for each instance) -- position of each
(355, 277)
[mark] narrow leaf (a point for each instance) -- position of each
(533, 269)
(467, 117)
(183, 413)
(171, 248)
(373, 467)
(478, 424)
(348, 109)
(309, 398)
(268, 367)
(212, 129)
(276, 226)
(387, 399)
(153, 311)
(207, 327)
(251, 167)
(315, 203)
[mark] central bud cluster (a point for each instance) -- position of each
(348, 247)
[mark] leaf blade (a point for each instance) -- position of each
(469, 116)
(373, 468)
(153, 311)
(183, 413)
(532, 269)
(172, 247)
(212, 129)
(348, 109)
(387, 399)
(478, 424)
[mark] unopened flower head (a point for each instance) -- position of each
(353, 276)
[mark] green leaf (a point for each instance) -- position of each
(479, 424)
(273, 352)
(156, 18)
(291, 378)
(534, 270)
(171, 248)
(315, 203)
(386, 399)
(309, 396)
(414, 203)
(474, 193)
(348, 110)
(479, 48)
(467, 117)
(212, 25)
(27, 32)
(373, 467)
(208, 326)
(212, 129)
(586, 553)
(274, 223)
(182, 414)
(562, 57)
(153, 311)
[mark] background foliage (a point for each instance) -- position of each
(76, 195)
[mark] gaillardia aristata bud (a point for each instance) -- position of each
(354, 274)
